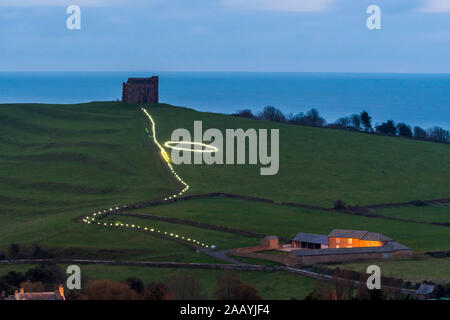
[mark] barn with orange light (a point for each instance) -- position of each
(343, 245)
(342, 238)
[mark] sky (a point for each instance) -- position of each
(226, 35)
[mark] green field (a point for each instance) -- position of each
(430, 213)
(319, 166)
(263, 262)
(222, 240)
(286, 221)
(61, 162)
(270, 285)
(418, 270)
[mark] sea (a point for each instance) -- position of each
(417, 99)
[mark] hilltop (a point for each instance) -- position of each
(319, 165)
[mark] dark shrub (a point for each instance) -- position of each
(39, 275)
(313, 118)
(271, 113)
(247, 292)
(419, 203)
(356, 121)
(39, 253)
(230, 287)
(245, 113)
(404, 130)
(6, 287)
(343, 122)
(136, 284)
(48, 273)
(420, 133)
(388, 128)
(439, 134)
(13, 251)
(366, 121)
(156, 291)
(298, 118)
(340, 205)
(109, 290)
(14, 278)
(440, 291)
(185, 287)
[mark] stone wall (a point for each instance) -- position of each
(196, 224)
(251, 249)
(282, 259)
(344, 257)
(174, 265)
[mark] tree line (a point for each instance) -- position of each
(359, 122)
(44, 277)
(179, 286)
(182, 286)
(341, 287)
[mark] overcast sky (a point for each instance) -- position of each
(225, 35)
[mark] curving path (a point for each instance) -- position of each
(223, 255)
(95, 217)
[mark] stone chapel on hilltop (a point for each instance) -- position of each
(141, 90)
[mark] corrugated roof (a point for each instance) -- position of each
(345, 233)
(359, 234)
(311, 238)
(389, 247)
(375, 236)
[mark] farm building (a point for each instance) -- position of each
(339, 238)
(310, 241)
(342, 238)
(270, 242)
(344, 245)
(339, 246)
(391, 249)
(53, 295)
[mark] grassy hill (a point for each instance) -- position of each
(438, 212)
(60, 162)
(288, 221)
(319, 166)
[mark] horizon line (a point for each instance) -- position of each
(223, 71)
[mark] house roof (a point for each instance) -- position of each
(271, 237)
(358, 234)
(425, 289)
(375, 236)
(345, 233)
(311, 238)
(41, 296)
(389, 247)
